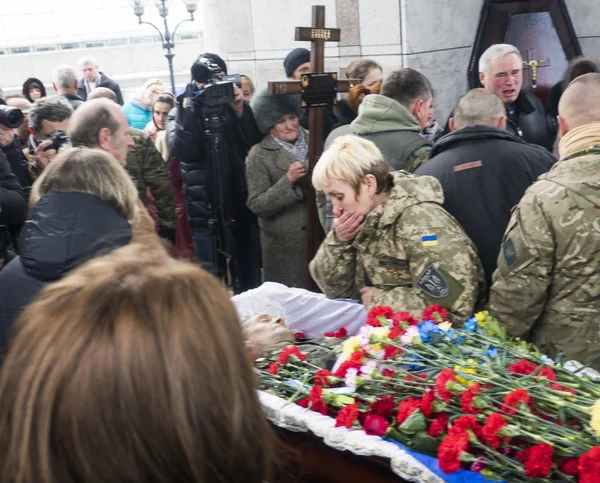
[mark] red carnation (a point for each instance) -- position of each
(303, 402)
(406, 408)
(467, 397)
(273, 368)
(523, 367)
(513, 398)
(390, 352)
(537, 460)
(558, 387)
(299, 335)
(290, 351)
(438, 426)
(494, 423)
(446, 376)
(436, 313)
(589, 466)
(384, 407)
(341, 334)
(450, 450)
(570, 466)
(375, 425)
(347, 416)
(354, 363)
(358, 356)
(388, 373)
(403, 320)
(329, 334)
(321, 377)
(376, 312)
(426, 403)
(464, 423)
(316, 399)
(396, 332)
(548, 373)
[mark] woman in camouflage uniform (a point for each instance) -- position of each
(393, 243)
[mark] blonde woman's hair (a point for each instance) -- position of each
(90, 171)
(350, 158)
(131, 369)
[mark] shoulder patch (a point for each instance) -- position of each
(433, 283)
(511, 257)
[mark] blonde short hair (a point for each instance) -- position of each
(90, 171)
(350, 158)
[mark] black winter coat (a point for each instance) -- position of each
(532, 125)
(189, 145)
(104, 82)
(484, 172)
(18, 162)
(13, 199)
(63, 230)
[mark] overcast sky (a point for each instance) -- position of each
(38, 22)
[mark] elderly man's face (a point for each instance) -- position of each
(504, 77)
(6, 135)
(89, 72)
(266, 333)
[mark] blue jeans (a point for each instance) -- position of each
(203, 245)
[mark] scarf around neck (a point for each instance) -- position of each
(579, 139)
(299, 149)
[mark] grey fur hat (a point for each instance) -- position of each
(268, 110)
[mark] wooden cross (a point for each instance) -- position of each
(317, 35)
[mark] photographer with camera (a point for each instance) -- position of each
(11, 119)
(48, 122)
(214, 131)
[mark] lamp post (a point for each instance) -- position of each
(168, 39)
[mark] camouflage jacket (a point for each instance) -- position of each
(147, 169)
(411, 250)
(547, 285)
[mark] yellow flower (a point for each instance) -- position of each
(481, 318)
(468, 370)
(376, 348)
(381, 332)
(595, 422)
(350, 345)
(445, 326)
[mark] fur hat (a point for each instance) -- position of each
(295, 59)
(268, 110)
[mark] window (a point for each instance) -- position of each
(45, 48)
(70, 45)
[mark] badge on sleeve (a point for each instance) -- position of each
(511, 257)
(429, 241)
(434, 283)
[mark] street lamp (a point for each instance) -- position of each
(168, 39)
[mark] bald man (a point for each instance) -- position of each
(480, 160)
(99, 122)
(547, 286)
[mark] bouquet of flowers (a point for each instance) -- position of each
(470, 396)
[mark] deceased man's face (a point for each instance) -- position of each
(265, 333)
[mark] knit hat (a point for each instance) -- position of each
(268, 110)
(214, 58)
(295, 59)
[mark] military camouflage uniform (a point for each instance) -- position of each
(411, 250)
(148, 170)
(547, 285)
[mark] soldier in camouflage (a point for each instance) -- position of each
(393, 243)
(547, 285)
(147, 170)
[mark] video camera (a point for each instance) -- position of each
(217, 90)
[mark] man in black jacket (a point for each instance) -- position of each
(190, 145)
(10, 147)
(501, 72)
(484, 171)
(13, 209)
(93, 78)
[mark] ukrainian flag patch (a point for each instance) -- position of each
(429, 241)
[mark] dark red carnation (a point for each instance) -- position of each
(402, 320)
(513, 398)
(391, 351)
(464, 423)
(438, 426)
(450, 450)
(329, 334)
(537, 460)
(384, 407)
(436, 313)
(273, 368)
(316, 400)
(467, 397)
(446, 376)
(341, 334)
(375, 425)
(299, 335)
(494, 423)
(321, 377)
(347, 416)
(558, 387)
(570, 466)
(376, 312)
(426, 403)
(548, 373)
(303, 402)
(290, 351)
(388, 373)
(406, 408)
(589, 466)
(396, 332)
(523, 367)
(354, 363)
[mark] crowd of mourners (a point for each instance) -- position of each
(124, 361)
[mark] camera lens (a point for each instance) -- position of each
(11, 117)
